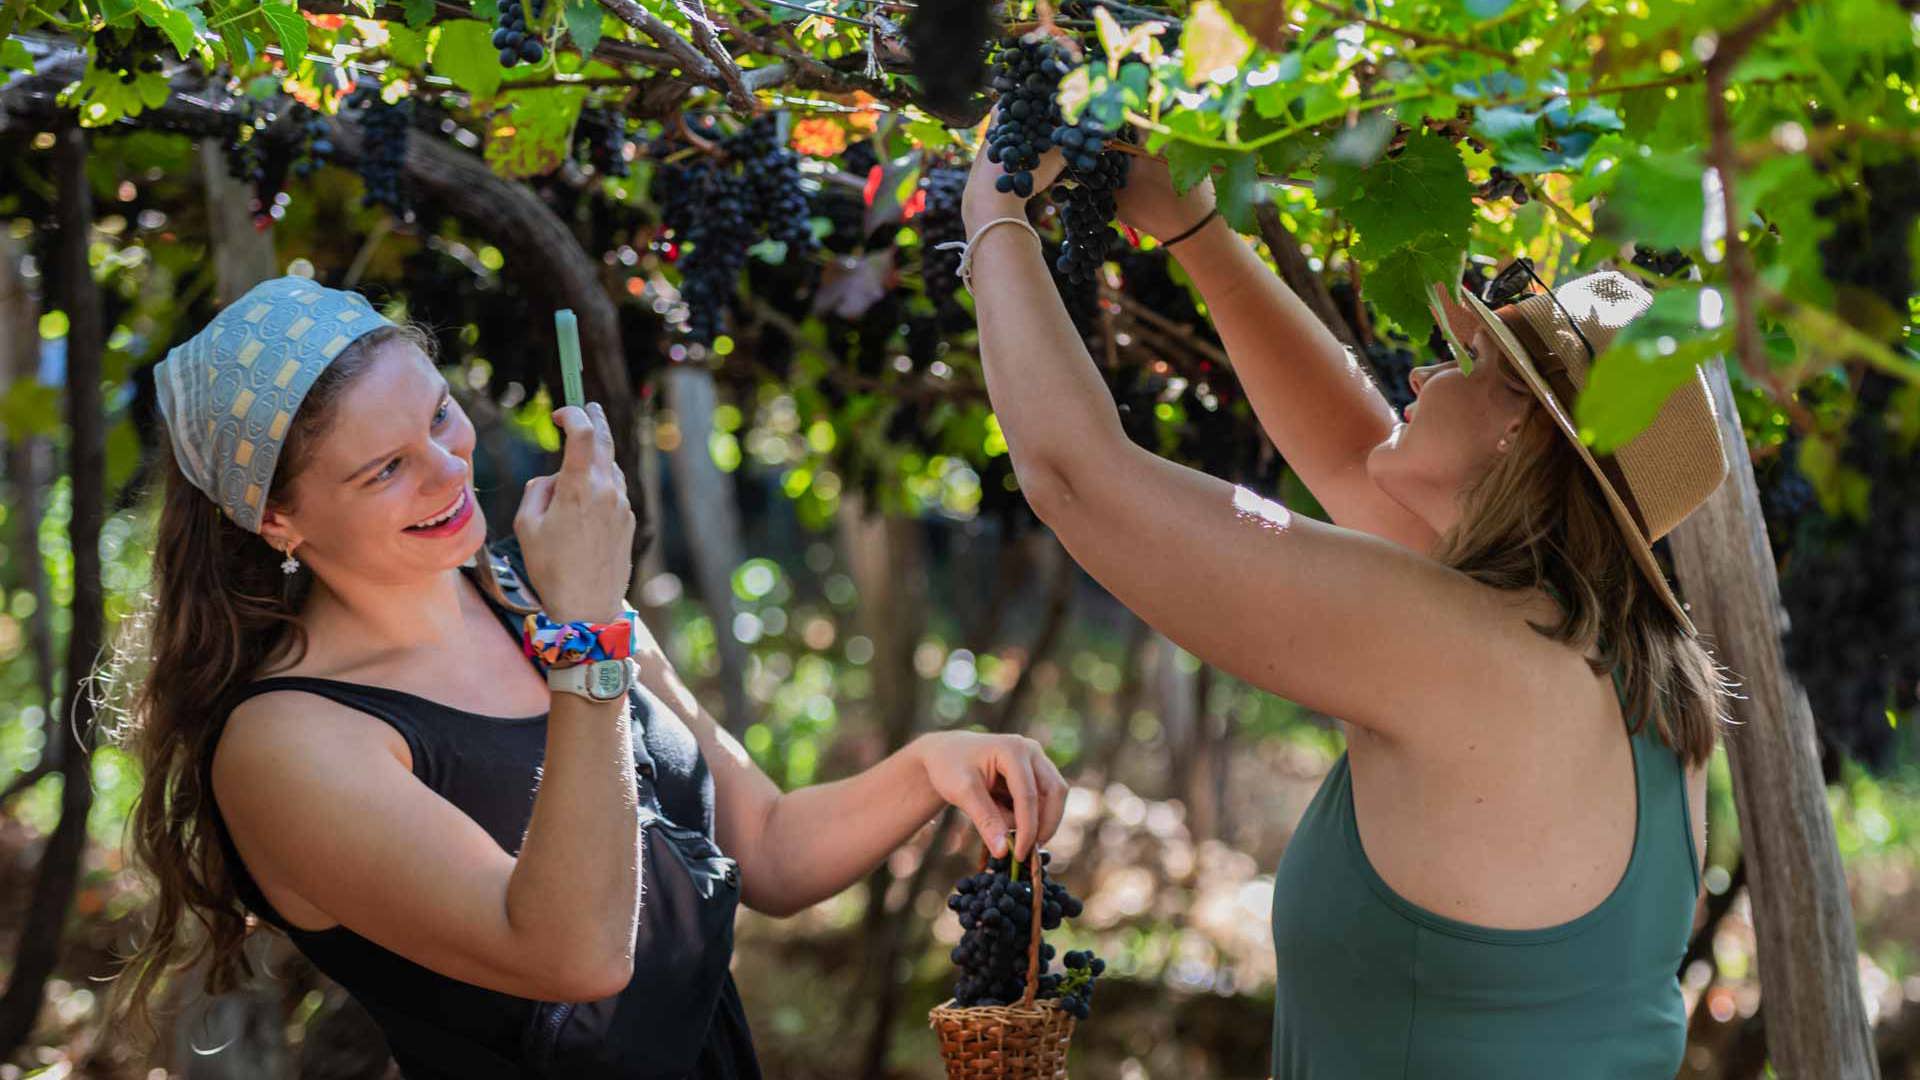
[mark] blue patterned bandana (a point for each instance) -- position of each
(229, 392)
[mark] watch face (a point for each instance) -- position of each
(607, 679)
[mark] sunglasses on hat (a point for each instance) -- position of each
(1515, 281)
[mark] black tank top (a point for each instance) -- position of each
(438, 1027)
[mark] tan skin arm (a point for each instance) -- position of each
(1313, 398)
(798, 848)
(311, 790)
(1301, 609)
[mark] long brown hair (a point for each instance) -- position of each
(1538, 519)
(218, 613)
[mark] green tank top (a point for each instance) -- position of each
(1373, 986)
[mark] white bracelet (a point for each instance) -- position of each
(965, 269)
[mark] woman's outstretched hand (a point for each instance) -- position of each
(1148, 203)
(1001, 782)
(982, 201)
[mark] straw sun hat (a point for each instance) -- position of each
(1654, 480)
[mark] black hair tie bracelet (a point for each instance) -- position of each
(1197, 226)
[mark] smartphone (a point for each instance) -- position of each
(566, 327)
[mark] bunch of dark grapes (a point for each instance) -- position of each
(1502, 184)
(130, 56)
(940, 223)
(995, 907)
(600, 140)
(1391, 363)
(1852, 587)
(705, 203)
(315, 138)
(383, 152)
(1086, 195)
(1852, 591)
(511, 36)
(1080, 295)
(1027, 74)
(245, 148)
(1671, 262)
(1076, 985)
(1786, 497)
(947, 40)
(859, 158)
(1870, 249)
(772, 173)
(260, 154)
(846, 214)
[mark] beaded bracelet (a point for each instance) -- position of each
(558, 644)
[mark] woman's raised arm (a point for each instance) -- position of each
(1313, 397)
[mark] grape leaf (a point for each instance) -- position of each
(1422, 192)
(14, 56)
(419, 13)
(1651, 358)
(1397, 285)
(1239, 189)
(535, 135)
(1656, 201)
(463, 51)
(1266, 20)
(1188, 164)
(290, 27)
(176, 24)
(1212, 45)
(583, 23)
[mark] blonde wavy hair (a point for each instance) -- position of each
(1537, 519)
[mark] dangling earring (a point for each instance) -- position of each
(290, 565)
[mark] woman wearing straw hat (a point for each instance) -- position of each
(1498, 878)
(341, 731)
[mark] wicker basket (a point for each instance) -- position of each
(1027, 1041)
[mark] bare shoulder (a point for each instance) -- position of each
(270, 734)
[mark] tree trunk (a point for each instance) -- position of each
(29, 468)
(1803, 919)
(886, 557)
(1300, 277)
(1179, 720)
(41, 932)
(243, 256)
(711, 517)
(652, 561)
(1102, 759)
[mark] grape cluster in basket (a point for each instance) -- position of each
(995, 907)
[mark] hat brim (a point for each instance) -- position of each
(1522, 362)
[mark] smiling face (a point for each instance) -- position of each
(1451, 433)
(386, 493)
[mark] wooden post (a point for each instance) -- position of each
(711, 518)
(59, 871)
(1803, 919)
(243, 256)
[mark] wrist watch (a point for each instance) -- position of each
(595, 680)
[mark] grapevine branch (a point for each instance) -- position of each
(1722, 154)
(1424, 37)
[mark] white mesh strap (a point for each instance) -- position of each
(965, 270)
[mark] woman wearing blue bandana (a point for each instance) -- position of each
(342, 735)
